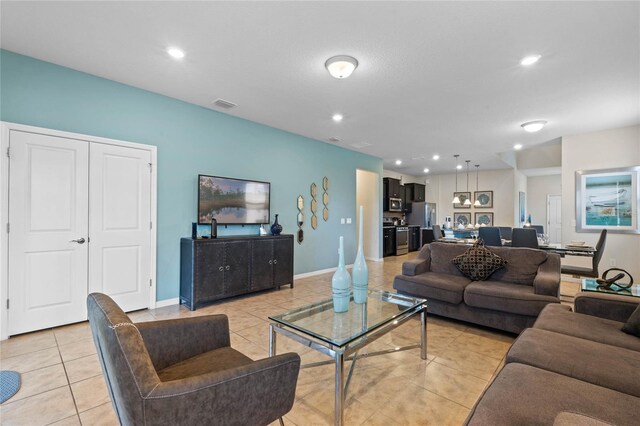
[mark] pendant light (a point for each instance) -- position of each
(456, 199)
(467, 202)
(477, 202)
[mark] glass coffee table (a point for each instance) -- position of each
(590, 284)
(342, 335)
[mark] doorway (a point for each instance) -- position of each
(368, 196)
(554, 218)
(79, 213)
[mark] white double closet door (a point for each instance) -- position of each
(80, 216)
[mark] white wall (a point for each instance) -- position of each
(538, 187)
(368, 196)
(519, 185)
(593, 151)
(440, 189)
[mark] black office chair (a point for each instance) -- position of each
(524, 237)
(437, 233)
(593, 271)
(505, 232)
(539, 229)
(490, 235)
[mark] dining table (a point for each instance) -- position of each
(560, 249)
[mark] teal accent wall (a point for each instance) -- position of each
(193, 140)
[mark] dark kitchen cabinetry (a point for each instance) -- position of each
(213, 269)
(415, 192)
(392, 187)
(414, 238)
(406, 199)
(389, 241)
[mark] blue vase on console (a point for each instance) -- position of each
(340, 283)
(360, 271)
(276, 228)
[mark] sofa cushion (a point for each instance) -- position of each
(569, 418)
(505, 297)
(632, 326)
(216, 360)
(603, 365)
(559, 319)
(525, 395)
(478, 263)
(522, 264)
(441, 255)
(433, 285)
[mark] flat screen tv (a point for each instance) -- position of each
(232, 201)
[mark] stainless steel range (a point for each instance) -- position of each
(402, 240)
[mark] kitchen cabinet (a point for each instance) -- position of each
(416, 192)
(392, 187)
(414, 238)
(406, 198)
(389, 241)
(213, 269)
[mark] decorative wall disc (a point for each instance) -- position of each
(314, 206)
(325, 198)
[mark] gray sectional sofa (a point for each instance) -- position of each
(510, 299)
(570, 368)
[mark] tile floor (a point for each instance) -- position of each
(63, 384)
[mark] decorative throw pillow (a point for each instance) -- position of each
(632, 326)
(478, 263)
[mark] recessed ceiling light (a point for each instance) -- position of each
(530, 60)
(436, 157)
(398, 162)
(517, 146)
(175, 52)
(341, 66)
(459, 166)
(426, 170)
(533, 126)
(337, 117)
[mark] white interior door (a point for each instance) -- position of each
(48, 199)
(554, 218)
(120, 219)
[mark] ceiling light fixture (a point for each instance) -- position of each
(456, 199)
(467, 202)
(436, 157)
(477, 202)
(517, 146)
(337, 117)
(426, 170)
(398, 162)
(530, 60)
(459, 167)
(341, 66)
(533, 126)
(176, 53)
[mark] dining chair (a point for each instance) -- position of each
(184, 372)
(505, 232)
(524, 237)
(595, 261)
(490, 235)
(437, 233)
(539, 229)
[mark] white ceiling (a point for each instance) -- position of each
(434, 77)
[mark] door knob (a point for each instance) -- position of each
(79, 241)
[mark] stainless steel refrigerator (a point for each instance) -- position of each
(423, 214)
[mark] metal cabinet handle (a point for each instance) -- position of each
(270, 262)
(79, 241)
(227, 267)
(275, 261)
(221, 268)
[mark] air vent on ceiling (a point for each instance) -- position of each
(334, 139)
(360, 144)
(224, 104)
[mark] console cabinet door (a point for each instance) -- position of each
(283, 261)
(209, 271)
(236, 267)
(262, 264)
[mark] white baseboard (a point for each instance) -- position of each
(318, 272)
(375, 259)
(167, 302)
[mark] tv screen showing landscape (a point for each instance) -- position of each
(232, 201)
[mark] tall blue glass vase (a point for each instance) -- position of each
(340, 283)
(360, 271)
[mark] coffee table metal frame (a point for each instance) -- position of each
(348, 351)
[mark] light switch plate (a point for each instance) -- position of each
(348, 221)
(342, 221)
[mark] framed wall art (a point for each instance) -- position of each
(608, 199)
(484, 218)
(485, 198)
(462, 196)
(461, 219)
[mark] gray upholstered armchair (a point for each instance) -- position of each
(184, 371)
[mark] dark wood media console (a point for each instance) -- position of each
(214, 269)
